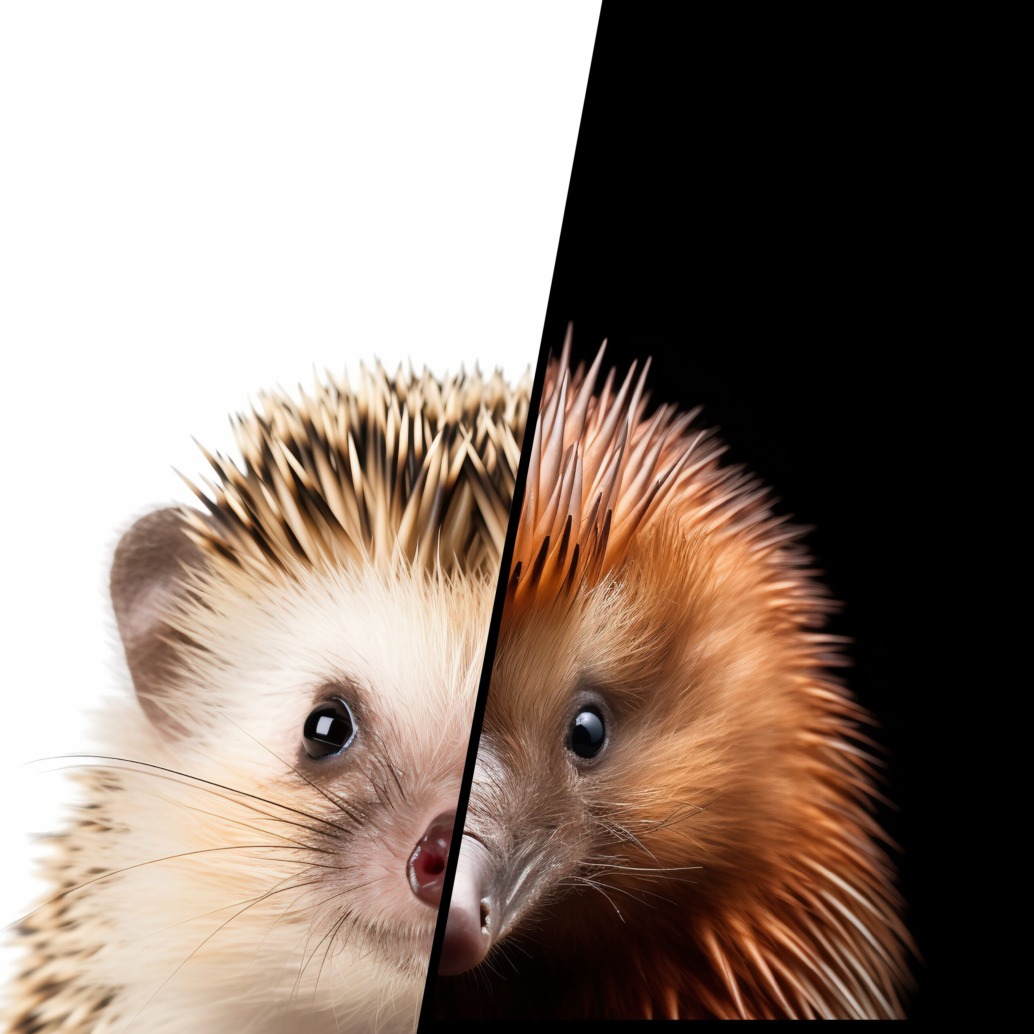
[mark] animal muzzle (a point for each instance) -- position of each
(474, 912)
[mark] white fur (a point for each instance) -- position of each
(175, 935)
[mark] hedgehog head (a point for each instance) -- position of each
(306, 650)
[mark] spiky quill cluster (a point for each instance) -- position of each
(600, 471)
(393, 466)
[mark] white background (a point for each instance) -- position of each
(200, 200)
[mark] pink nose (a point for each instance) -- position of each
(473, 917)
(427, 862)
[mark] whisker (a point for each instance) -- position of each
(151, 861)
(650, 869)
(158, 990)
(224, 797)
(596, 886)
(246, 825)
(333, 799)
(277, 889)
(198, 779)
(623, 834)
(330, 944)
(251, 807)
(286, 912)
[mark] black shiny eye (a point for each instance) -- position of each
(587, 734)
(328, 729)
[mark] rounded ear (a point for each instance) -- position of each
(147, 579)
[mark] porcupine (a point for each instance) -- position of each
(268, 816)
(673, 807)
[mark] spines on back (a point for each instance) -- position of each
(389, 466)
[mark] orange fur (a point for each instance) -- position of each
(722, 858)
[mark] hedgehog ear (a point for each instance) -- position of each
(147, 579)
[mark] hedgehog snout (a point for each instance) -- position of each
(473, 912)
(426, 868)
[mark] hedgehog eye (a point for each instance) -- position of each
(328, 729)
(587, 734)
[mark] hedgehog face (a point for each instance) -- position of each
(353, 689)
(305, 654)
(311, 727)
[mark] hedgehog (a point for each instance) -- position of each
(265, 823)
(673, 809)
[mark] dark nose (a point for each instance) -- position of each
(427, 862)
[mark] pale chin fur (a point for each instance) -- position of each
(348, 950)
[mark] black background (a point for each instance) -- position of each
(746, 208)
